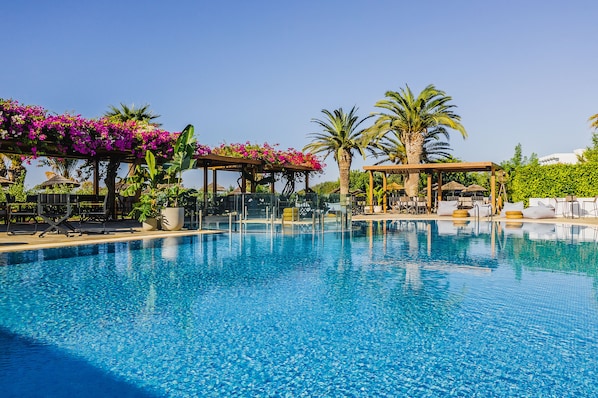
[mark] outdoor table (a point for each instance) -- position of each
(55, 209)
(572, 201)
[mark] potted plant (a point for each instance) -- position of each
(146, 211)
(146, 180)
(173, 216)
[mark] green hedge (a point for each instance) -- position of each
(558, 180)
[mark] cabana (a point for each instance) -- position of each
(429, 169)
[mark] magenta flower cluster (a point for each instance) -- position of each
(269, 154)
(35, 132)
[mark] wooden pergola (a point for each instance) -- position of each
(249, 169)
(429, 169)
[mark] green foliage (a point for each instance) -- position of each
(361, 180)
(591, 152)
(379, 193)
(182, 160)
(325, 187)
(558, 180)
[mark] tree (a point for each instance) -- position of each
(594, 121)
(65, 167)
(590, 154)
(341, 136)
(392, 150)
(126, 113)
(410, 119)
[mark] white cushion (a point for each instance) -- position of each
(484, 210)
(446, 207)
(517, 206)
(538, 212)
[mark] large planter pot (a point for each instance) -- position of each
(150, 224)
(377, 209)
(173, 218)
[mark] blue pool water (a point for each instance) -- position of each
(390, 309)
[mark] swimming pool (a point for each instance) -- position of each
(396, 308)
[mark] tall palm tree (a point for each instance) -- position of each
(409, 119)
(340, 136)
(594, 121)
(392, 150)
(126, 113)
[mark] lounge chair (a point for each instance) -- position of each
(21, 214)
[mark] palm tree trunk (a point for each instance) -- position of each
(344, 167)
(414, 145)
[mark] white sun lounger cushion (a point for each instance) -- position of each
(539, 211)
(517, 206)
(446, 207)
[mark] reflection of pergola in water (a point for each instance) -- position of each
(429, 169)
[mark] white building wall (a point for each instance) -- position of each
(562, 158)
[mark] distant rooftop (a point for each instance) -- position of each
(562, 158)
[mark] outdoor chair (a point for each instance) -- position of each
(594, 204)
(406, 204)
(20, 215)
(55, 210)
(4, 211)
(421, 205)
(93, 208)
(571, 203)
(465, 202)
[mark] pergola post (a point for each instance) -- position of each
(306, 181)
(493, 189)
(384, 190)
(96, 177)
(371, 191)
(429, 193)
(214, 183)
(205, 188)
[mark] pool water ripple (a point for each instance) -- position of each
(409, 312)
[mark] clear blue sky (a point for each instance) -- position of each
(518, 71)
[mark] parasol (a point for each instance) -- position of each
(475, 188)
(453, 186)
(5, 182)
(59, 180)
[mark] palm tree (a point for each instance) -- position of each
(123, 114)
(126, 113)
(594, 121)
(410, 119)
(65, 167)
(341, 136)
(392, 150)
